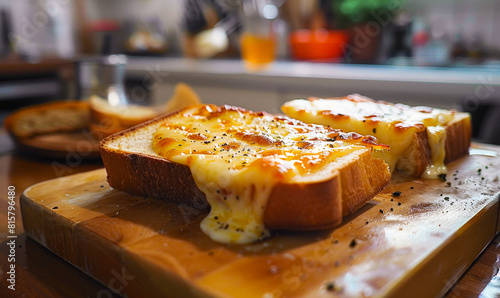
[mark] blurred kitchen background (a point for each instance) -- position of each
(258, 53)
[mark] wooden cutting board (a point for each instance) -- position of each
(417, 244)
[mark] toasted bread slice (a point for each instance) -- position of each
(421, 139)
(46, 118)
(258, 172)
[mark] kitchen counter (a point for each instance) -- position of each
(40, 272)
(45, 78)
(434, 86)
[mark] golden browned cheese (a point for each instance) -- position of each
(417, 136)
(237, 157)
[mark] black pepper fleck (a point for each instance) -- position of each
(381, 211)
(353, 243)
(330, 286)
(55, 207)
(396, 194)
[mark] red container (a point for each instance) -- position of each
(317, 44)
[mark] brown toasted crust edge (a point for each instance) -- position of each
(361, 180)
(150, 176)
(305, 206)
(458, 137)
(297, 206)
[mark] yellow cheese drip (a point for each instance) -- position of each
(437, 137)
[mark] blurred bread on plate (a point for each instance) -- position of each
(47, 118)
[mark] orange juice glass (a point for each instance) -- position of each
(257, 50)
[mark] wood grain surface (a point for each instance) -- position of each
(417, 244)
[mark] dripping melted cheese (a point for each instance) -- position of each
(237, 156)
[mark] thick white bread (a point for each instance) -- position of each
(312, 201)
(52, 117)
(422, 139)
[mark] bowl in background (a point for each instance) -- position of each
(317, 45)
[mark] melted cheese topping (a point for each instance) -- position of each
(236, 157)
(392, 124)
(436, 136)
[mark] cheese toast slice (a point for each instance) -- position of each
(257, 171)
(421, 139)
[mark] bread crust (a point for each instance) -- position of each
(294, 206)
(362, 179)
(301, 206)
(458, 137)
